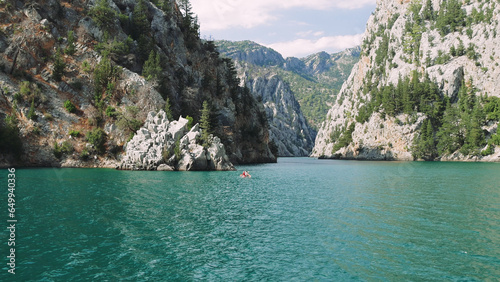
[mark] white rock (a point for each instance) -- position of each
(154, 142)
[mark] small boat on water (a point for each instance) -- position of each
(245, 174)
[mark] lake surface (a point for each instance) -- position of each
(298, 220)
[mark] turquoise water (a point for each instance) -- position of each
(298, 220)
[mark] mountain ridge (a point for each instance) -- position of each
(306, 81)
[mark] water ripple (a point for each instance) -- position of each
(297, 220)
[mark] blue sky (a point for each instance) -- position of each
(291, 27)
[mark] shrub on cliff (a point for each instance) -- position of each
(97, 137)
(128, 119)
(69, 106)
(65, 148)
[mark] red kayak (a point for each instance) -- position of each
(245, 174)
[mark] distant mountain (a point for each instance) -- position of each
(256, 66)
(314, 80)
(251, 52)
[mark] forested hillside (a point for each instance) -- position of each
(78, 78)
(426, 86)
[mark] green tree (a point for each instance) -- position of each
(451, 133)
(141, 29)
(70, 107)
(97, 137)
(451, 17)
(140, 21)
(70, 48)
(186, 9)
(128, 119)
(345, 139)
(166, 6)
(474, 138)
(59, 66)
(168, 110)
(428, 12)
(111, 112)
(102, 14)
(389, 100)
(31, 114)
(104, 75)
(152, 67)
(205, 124)
(492, 108)
(424, 145)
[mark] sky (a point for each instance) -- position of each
(295, 28)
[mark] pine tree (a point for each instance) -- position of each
(71, 48)
(428, 13)
(31, 113)
(141, 29)
(166, 6)
(152, 67)
(474, 138)
(102, 14)
(205, 124)
(168, 110)
(424, 145)
(185, 6)
(140, 20)
(388, 100)
(59, 66)
(451, 135)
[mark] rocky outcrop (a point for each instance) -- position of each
(404, 38)
(168, 146)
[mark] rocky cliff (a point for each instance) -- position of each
(426, 86)
(78, 78)
(288, 129)
(287, 87)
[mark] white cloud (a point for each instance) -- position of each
(309, 33)
(223, 14)
(303, 47)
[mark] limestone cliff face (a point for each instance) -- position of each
(314, 80)
(288, 129)
(446, 48)
(113, 62)
(293, 90)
